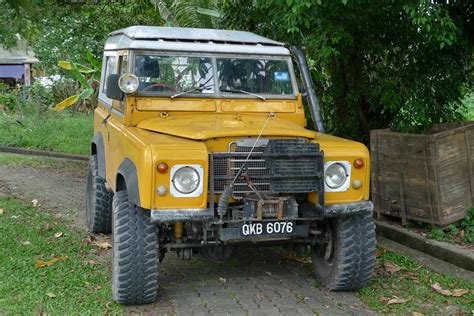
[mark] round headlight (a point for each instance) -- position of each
(186, 180)
(128, 83)
(335, 176)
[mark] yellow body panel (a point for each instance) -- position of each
(185, 130)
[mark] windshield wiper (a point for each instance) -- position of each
(243, 91)
(189, 91)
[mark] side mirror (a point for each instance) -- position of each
(112, 87)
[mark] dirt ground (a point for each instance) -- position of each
(255, 282)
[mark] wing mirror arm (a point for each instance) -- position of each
(309, 89)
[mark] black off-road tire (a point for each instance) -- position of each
(98, 201)
(135, 253)
(350, 263)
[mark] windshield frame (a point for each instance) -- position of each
(217, 93)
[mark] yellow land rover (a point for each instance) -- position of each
(200, 145)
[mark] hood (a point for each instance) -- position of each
(202, 127)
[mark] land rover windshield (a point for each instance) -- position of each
(175, 76)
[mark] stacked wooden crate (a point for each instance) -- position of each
(427, 178)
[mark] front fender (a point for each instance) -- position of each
(97, 148)
(127, 178)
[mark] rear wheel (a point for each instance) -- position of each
(98, 201)
(344, 257)
(135, 253)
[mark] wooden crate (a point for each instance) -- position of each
(427, 178)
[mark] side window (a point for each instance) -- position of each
(123, 64)
(110, 68)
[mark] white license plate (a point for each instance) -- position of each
(267, 228)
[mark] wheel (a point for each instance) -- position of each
(344, 258)
(217, 253)
(98, 201)
(135, 253)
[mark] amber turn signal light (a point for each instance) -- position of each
(162, 167)
(358, 163)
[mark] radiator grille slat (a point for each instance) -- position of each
(284, 166)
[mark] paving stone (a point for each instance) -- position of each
(259, 281)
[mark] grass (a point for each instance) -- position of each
(413, 283)
(42, 162)
(62, 132)
(78, 285)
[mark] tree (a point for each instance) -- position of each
(60, 30)
(375, 64)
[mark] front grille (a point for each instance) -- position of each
(275, 166)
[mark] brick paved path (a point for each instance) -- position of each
(256, 281)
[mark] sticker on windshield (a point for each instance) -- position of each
(281, 76)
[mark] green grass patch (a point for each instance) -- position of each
(76, 285)
(413, 283)
(42, 162)
(62, 132)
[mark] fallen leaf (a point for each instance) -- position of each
(35, 203)
(41, 263)
(268, 273)
(437, 287)
(46, 227)
(92, 262)
(58, 234)
(397, 300)
(383, 299)
(391, 267)
(222, 280)
(304, 260)
(51, 295)
(26, 243)
(460, 292)
(102, 245)
(95, 288)
(1, 211)
(416, 314)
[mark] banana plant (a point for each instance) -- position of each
(87, 76)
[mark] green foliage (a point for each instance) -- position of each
(399, 64)
(88, 78)
(189, 13)
(468, 225)
(77, 286)
(8, 98)
(437, 234)
(63, 30)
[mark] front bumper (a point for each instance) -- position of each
(347, 209)
(207, 214)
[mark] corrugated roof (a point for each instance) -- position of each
(193, 34)
(17, 55)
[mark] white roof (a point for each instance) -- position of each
(193, 39)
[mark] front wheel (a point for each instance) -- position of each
(135, 253)
(344, 257)
(98, 201)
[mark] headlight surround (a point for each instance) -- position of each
(128, 83)
(337, 176)
(186, 180)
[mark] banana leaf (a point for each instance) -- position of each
(68, 66)
(66, 103)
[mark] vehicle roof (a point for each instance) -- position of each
(192, 39)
